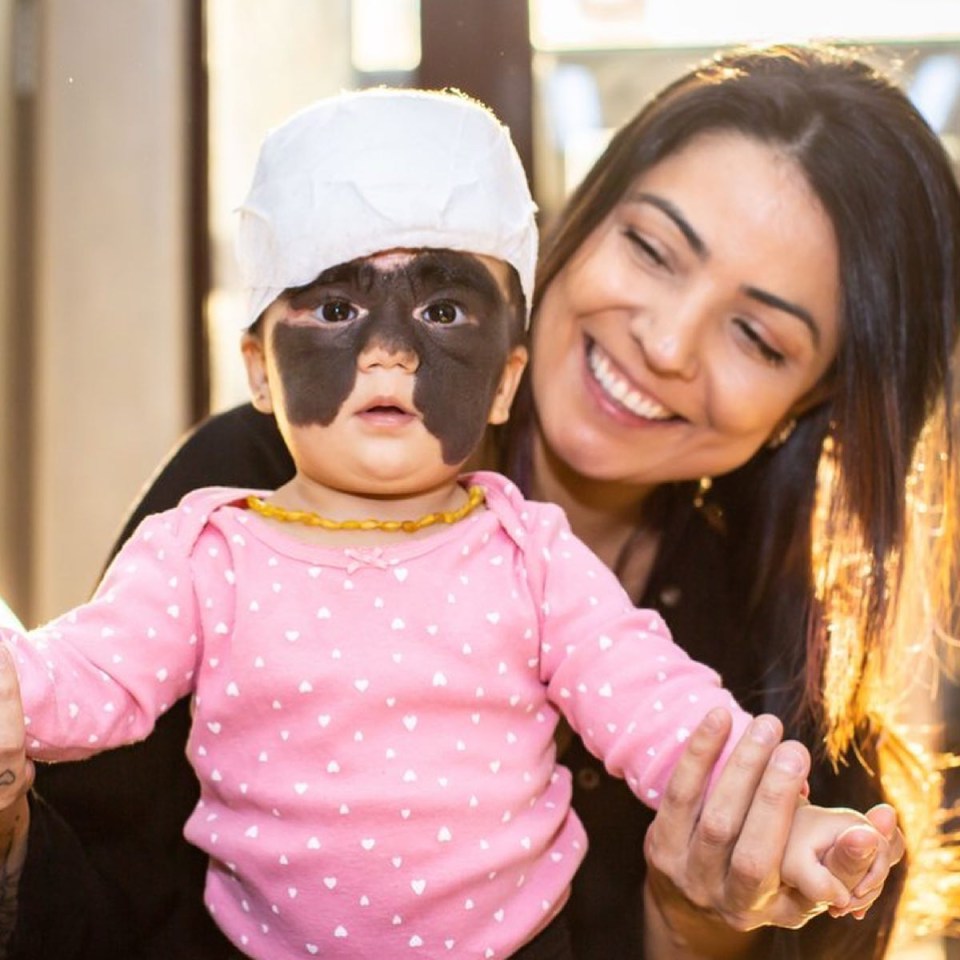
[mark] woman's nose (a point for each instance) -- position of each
(379, 352)
(670, 339)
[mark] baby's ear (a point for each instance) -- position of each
(251, 345)
(507, 388)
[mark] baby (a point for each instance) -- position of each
(380, 651)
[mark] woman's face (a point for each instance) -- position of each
(693, 321)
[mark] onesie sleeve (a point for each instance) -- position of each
(99, 676)
(614, 671)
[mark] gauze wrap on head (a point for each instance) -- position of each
(379, 169)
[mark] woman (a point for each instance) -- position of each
(675, 274)
(713, 308)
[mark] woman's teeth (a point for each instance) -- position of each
(620, 391)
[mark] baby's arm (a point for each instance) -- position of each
(99, 675)
(633, 696)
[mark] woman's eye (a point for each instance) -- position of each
(646, 249)
(774, 357)
(336, 311)
(443, 312)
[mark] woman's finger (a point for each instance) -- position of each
(754, 871)
(717, 840)
(682, 799)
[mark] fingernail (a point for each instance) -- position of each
(762, 730)
(713, 721)
(789, 759)
(865, 842)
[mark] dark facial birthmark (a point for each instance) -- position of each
(460, 364)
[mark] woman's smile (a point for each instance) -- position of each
(619, 389)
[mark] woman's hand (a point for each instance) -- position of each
(16, 778)
(714, 873)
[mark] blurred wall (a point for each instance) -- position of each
(107, 390)
(12, 529)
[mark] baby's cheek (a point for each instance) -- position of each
(316, 376)
(456, 383)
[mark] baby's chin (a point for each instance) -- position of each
(400, 484)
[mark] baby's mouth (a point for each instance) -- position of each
(387, 410)
(621, 391)
(384, 408)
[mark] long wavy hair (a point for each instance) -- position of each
(824, 524)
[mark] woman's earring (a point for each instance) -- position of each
(703, 488)
(712, 512)
(782, 435)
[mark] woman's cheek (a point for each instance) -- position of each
(746, 401)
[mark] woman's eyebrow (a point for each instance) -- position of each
(683, 225)
(700, 248)
(778, 303)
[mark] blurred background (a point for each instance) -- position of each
(128, 132)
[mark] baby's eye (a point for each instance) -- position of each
(443, 312)
(335, 311)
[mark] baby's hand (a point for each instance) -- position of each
(855, 848)
(840, 857)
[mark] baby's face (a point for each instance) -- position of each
(397, 359)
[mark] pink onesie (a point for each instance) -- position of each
(373, 728)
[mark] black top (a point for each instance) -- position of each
(109, 874)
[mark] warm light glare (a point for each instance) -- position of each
(894, 688)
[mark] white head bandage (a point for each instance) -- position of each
(376, 170)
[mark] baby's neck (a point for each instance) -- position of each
(312, 513)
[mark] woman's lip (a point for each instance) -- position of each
(618, 392)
